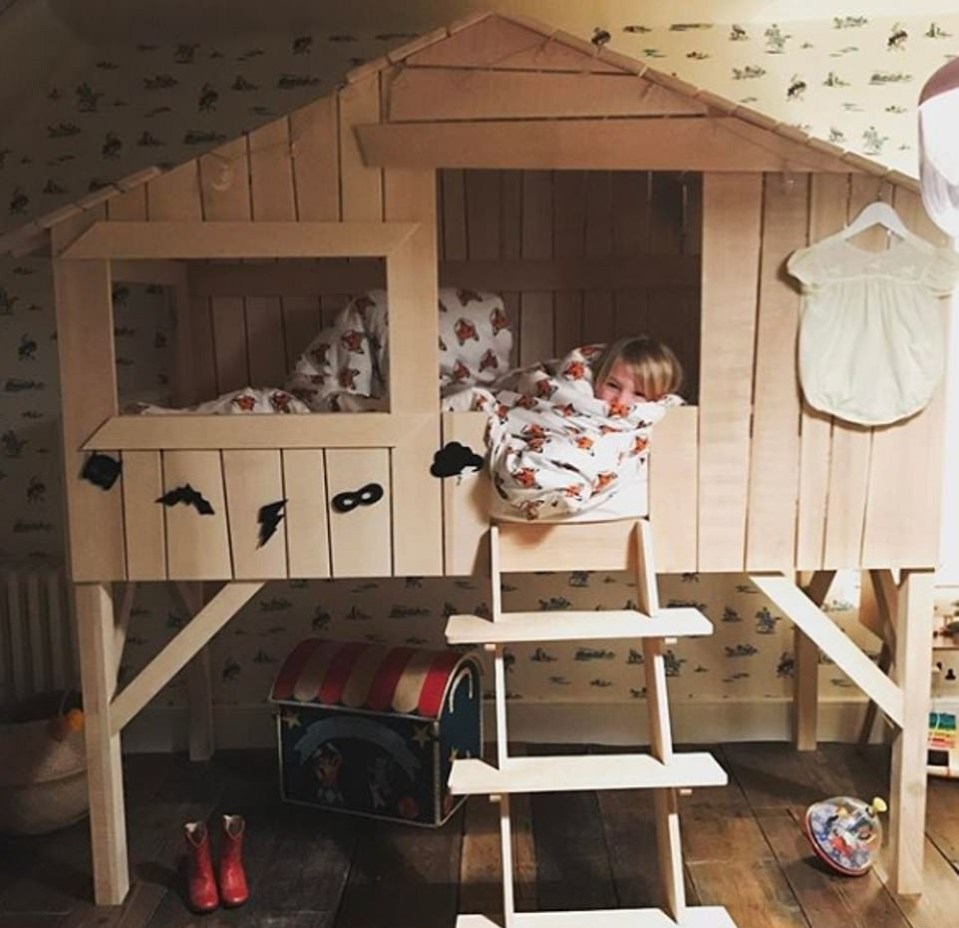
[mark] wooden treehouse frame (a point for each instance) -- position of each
(748, 480)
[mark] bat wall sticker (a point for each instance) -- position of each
(186, 494)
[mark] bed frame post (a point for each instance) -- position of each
(806, 681)
(108, 833)
(913, 672)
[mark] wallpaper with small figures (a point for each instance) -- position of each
(851, 80)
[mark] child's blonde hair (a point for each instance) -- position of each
(656, 370)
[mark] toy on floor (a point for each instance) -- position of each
(845, 833)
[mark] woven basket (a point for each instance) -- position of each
(43, 781)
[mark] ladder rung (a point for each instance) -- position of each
(577, 626)
(706, 916)
(585, 772)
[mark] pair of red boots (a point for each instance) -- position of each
(204, 893)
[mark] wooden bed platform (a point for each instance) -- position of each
(495, 150)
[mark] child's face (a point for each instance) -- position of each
(619, 386)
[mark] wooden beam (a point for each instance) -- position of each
(913, 672)
(168, 273)
(332, 275)
(655, 143)
(848, 657)
(429, 94)
(108, 833)
(152, 240)
(805, 716)
(197, 433)
(178, 652)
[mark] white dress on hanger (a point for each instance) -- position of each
(871, 336)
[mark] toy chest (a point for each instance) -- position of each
(373, 730)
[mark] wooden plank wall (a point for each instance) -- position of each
(492, 216)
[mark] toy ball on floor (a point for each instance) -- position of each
(845, 833)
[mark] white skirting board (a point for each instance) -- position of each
(164, 729)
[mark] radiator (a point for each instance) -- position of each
(37, 641)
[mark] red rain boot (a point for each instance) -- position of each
(201, 882)
(233, 888)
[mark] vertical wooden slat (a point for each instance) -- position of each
(229, 343)
(453, 190)
(306, 522)
(142, 517)
(198, 546)
(302, 319)
(511, 246)
(360, 540)
(176, 194)
(598, 312)
(224, 182)
(88, 395)
(266, 340)
(272, 199)
(131, 205)
(851, 443)
(61, 669)
(411, 274)
(361, 187)
(536, 307)
(903, 513)
(203, 350)
(673, 489)
(732, 206)
(569, 241)
(314, 136)
(271, 172)
(254, 479)
(690, 299)
(632, 312)
(774, 468)
(828, 201)
(35, 623)
(466, 501)
(483, 214)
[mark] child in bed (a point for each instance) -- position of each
(636, 369)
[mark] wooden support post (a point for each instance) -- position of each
(108, 834)
(202, 742)
(913, 672)
(806, 680)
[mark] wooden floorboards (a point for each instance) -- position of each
(743, 849)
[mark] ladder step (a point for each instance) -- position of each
(577, 626)
(706, 916)
(584, 772)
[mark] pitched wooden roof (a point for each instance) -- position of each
(519, 43)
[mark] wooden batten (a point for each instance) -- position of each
(254, 480)
(360, 539)
(314, 142)
(466, 501)
(903, 509)
(143, 521)
(774, 461)
(239, 240)
(361, 185)
(655, 143)
(306, 520)
(297, 278)
(674, 490)
(431, 94)
(732, 206)
(851, 443)
(198, 544)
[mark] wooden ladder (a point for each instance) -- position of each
(661, 770)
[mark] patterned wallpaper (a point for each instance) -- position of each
(851, 80)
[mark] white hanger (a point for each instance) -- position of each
(878, 213)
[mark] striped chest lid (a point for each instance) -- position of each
(371, 677)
